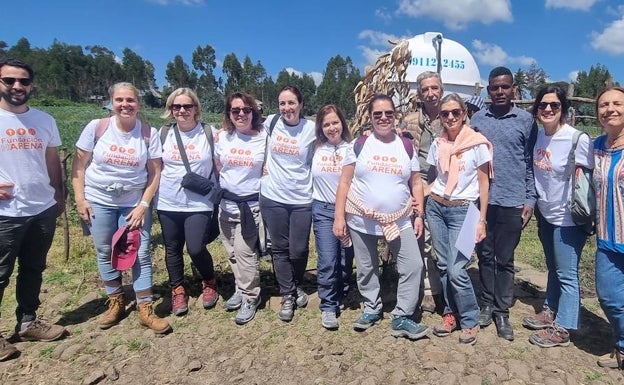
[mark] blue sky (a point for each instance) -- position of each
(561, 36)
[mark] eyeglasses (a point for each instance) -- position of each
(178, 107)
(379, 114)
(455, 112)
(10, 81)
(553, 105)
(496, 87)
(237, 110)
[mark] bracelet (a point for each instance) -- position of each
(144, 204)
(483, 221)
(419, 214)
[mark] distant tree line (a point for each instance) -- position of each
(84, 74)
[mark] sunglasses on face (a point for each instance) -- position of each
(455, 112)
(379, 114)
(10, 81)
(178, 107)
(554, 106)
(496, 87)
(237, 110)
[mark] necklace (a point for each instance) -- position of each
(615, 143)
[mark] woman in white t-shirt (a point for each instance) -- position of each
(286, 197)
(334, 261)
(462, 159)
(185, 215)
(115, 175)
(380, 177)
(561, 239)
(239, 155)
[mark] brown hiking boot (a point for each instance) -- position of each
(7, 350)
(448, 325)
(542, 320)
(611, 360)
(148, 319)
(116, 311)
(469, 336)
(179, 302)
(209, 293)
(39, 330)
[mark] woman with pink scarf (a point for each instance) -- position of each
(462, 159)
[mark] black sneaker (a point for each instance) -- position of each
(287, 311)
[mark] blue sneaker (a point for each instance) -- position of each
(366, 320)
(247, 312)
(406, 327)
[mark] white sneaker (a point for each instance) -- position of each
(329, 320)
(235, 301)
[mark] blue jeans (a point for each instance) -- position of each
(104, 223)
(562, 248)
(610, 290)
(409, 266)
(459, 296)
(334, 262)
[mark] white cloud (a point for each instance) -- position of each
(572, 76)
(457, 14)
(383, 14)
(316, 76)
(581, 5)
(182, 2)
(611, 39)
(371, 54)
(494, 55)
(377, 38)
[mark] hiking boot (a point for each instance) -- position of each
(302, 298)
(179, 301)
(287, 311)
(116, 311)
(541, 320)
(408, 328)
(485, 315)
(148, 319)
(611, 360)
(469, 336)
(39, 330)
(447, 326)
(329, 320)
(235, 301)
(366, 320)
(7, 350)
(428, 304)
(209, 293)
(551, 337)
(247, 312)
(503, 327)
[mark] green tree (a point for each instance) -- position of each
(204, 62)
(535, 79)
(233, 71)
(521, 84)
(339, 80)
(589, 84)
(178, 74)
(135, 70)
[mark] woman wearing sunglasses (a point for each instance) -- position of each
(286, 197)
(239, 155)
(374, 199)
(115, 175)
(185, 215)
(561, 239)
(462, 159)
(334, 261)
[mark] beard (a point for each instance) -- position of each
(14, 97)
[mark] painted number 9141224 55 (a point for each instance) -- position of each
(433, 62)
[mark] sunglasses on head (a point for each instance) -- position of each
(10, 81)
(379, 114)
(455, 112)
(178, 107)
(553, 105)
(237, 110)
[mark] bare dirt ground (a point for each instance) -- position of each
(207, 347)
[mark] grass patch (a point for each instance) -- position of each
(46, 351)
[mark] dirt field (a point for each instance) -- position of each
(207, 347)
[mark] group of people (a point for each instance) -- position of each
(411, 186)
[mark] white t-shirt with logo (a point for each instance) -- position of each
(381, 180)
(467, 187)
(550, 157)
(288, 163)
(171, 195)
(326, 168)
(24, 139)
(117, 174)
(241, 157)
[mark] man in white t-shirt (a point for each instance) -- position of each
(31, 197)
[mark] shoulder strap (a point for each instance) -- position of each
(359, 143)
(101, 127)
(409, 146)
(210, 138)
(146, 133)
(571, 157)
(164, 130)
(273, 123)
(181, 149)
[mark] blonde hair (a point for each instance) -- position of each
(182, 91)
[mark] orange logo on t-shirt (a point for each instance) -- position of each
(10, 132)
